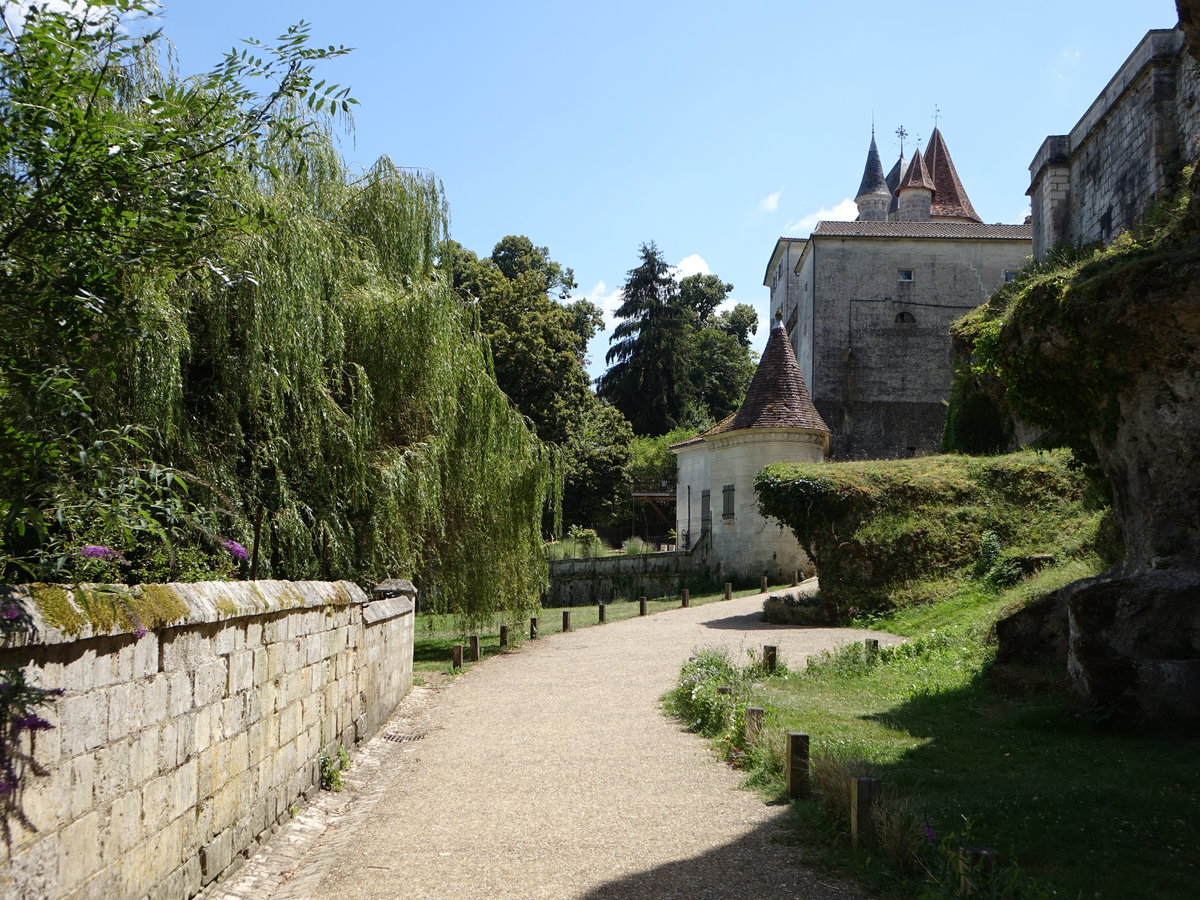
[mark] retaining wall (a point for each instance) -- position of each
(175, 754)
(586, 582)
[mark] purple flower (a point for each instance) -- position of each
(930, 834)
(236, 550)
(6, 786)
(140, 631)
(98, 551)
(11, 612)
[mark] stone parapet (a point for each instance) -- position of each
(192, 719)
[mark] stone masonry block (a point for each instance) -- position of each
(168, 745)
(254, 635)
(78, 674)
(123, 825)
(241, 672)
(179, 692)
(260, 668)
(84, 722)
(112, 770)
(223, 641)
(80, 852)
(216, 855)
(145, 656)
(210, 680)
(156, 802)
(184, 788)
(186, 649)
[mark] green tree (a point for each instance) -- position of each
(537, 345)
(702, 294)
(647, 377)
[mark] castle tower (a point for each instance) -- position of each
(916, 192)
(950, 201)
(894, 177)
(874, 196)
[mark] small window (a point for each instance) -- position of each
(904, 274)
(727, 502)
(1010, 275)
(905, 318)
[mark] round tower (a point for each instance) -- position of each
(915, 192)
(874, 196)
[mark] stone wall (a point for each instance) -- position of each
(586, 582)
(174, 754)
(1124, 153)
(880, 347)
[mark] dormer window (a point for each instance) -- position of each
(904, 274)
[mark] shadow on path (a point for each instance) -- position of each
(736, 871)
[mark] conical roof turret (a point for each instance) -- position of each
(950, 199)
(873, 180)
(916, 176)
(777, 396)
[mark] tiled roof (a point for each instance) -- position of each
(873, 180)
(893, 181)
(917, 176)
(777, 396)
(976, 230)
(949, 197)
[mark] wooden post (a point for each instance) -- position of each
(258, 517)
(724, 689)
(642, 606)
(687, 598)
(566, 620)
(533, 628)
(456, 656)
(864, 798)
(503, 636)
(795, 577)
(753, 723)
(728, 591)
(872, 646)
(603, 613)
(325, 553)
(796, 763)
(474, 657)
(770, 658)
(975, 866)
(762, 585)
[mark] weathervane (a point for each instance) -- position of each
(936, 112)
(902, 134)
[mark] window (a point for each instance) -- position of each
(905, 318)
(904, 274)
(1010, 275)
(727, 502)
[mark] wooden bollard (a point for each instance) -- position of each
(975, 866)
(687, 598)
(753, 723)
(643, 606)
(724, 689)
(796, 765)
(533, 628)
(795, 577)
(770, 658)
(503, 635)
(603, 613)
(566, 620)
(872, 647)
(456, 656)
(728, 591)
(474, 646)
(864, 799)
(762, 585)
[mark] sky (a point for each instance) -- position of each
(711, 128)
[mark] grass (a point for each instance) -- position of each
(1076, 806)
(436, 634)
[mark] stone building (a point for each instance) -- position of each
(1124, 153)
(776, 423)
(868, 304)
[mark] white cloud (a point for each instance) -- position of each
(846, 211)
(1067, 61)
(694, 264)
(605, 299)
(770, 203)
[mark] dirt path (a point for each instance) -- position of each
(551, 773)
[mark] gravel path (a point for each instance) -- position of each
(551, 773)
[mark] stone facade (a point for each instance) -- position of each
(868, 304)
(175, 754)
(1124, 153)
(871, 304)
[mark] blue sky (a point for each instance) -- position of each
(709, 127)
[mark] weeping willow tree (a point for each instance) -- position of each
(297, 366)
